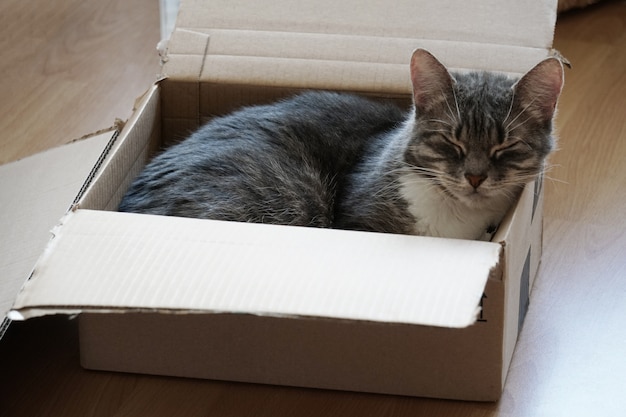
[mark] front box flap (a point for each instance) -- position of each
(107, 261)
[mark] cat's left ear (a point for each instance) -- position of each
(432, 83)
(538, 91)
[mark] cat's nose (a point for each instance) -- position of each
(475, 180)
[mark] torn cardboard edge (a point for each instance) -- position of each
(118, 125)
(103, 156)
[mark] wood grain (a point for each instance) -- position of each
(70, 67)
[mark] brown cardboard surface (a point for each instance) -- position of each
(307, 352)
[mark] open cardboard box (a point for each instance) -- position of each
(287, 305)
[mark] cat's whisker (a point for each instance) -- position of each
(511, 196)
(506, 128)
(548, 168)
(439, 183)
(508, 114)
(456, 102)
(439, 121)
(429, 179)
(390, 186)
(450, 112)
(406, 165)
(423, 176)
(555, 180)
(515, 180)
(520, 181)
(517, 126)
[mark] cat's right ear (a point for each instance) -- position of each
(538, 91)
(432, 83)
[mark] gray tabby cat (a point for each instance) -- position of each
(450, 167)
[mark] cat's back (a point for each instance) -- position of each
(321, 119)
(276, 163)
(324, 125)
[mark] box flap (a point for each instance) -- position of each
(345, 45)
(105, 261)
(36, 192)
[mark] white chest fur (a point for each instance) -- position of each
(439, 215)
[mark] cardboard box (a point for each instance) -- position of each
(286, 305)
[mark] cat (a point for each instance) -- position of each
(451, 166)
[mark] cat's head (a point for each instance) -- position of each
(481, 135)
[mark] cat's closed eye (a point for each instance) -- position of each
(517, 145)
(458, 146)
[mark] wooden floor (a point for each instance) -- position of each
(70, 67)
